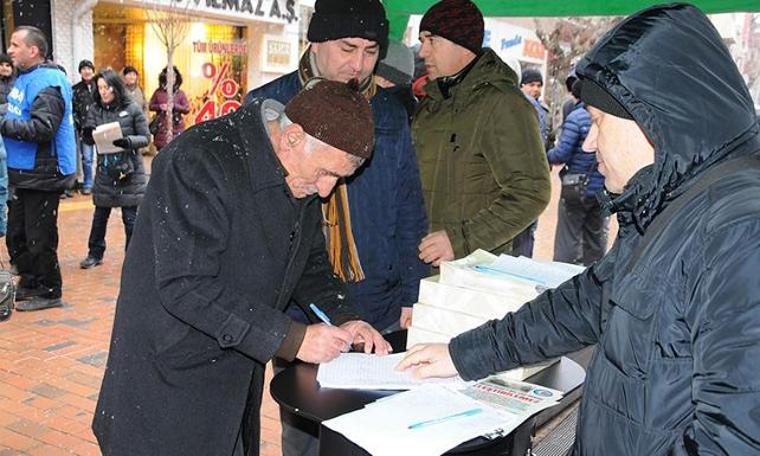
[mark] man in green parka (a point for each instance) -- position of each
(484, 173)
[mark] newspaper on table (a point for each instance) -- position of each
(104, 136)
(371, 372)
(433, 419)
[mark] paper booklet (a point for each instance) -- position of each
(104, 136)
(371, 372)
(433, 419)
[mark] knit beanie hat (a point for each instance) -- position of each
(336, 19)
(398, 64)
(86, 64)
(336, 114)
(531, 75)
(595, 95)
(459, 21)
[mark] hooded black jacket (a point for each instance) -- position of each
(678, 337)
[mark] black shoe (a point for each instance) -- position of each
(23, 293)
(5, 310)
(86, 191)
(90, 262)
(39, 303)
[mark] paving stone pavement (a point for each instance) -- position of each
(52, 361)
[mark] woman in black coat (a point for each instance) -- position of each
(120, 179)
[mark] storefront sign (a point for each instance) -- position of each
(271, 9)
(219, 84)
(513, 42)
(277, 54)
(216, 47)
(281, 11)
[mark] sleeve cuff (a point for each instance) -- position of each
(292, 342)
(345, 318)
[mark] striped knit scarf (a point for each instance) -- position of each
(336, 214)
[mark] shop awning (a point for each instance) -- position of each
(399, 10)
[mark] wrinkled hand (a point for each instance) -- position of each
(323, 343)
(124, 143)
(406, 317)
(364, 334)
(428, 360)
(435, 248)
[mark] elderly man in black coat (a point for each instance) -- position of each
(228, 234)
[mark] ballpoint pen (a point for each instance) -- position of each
(321, 315)
(443, 419)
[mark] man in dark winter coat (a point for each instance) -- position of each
(38, 132)
(7, 75)
(673, 307)
(581, 236)
(83, 100)
(381, 210)
(228, 235)
(385, 211)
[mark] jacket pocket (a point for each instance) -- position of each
(628, 341)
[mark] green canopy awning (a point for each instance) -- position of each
(399, 10)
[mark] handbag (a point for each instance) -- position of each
(574, 186)
(118, 165)
(153, 125)
(7, 294)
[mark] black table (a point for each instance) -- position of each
(297, 391)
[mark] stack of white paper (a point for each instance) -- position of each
(433, 419)
(383, 428)
(104, 136)
(363, 371)
(479, 288)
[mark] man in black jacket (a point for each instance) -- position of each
(229, 234)
(38, 132)
(673, 307)
(83, 99)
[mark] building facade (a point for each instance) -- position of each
(223, 47)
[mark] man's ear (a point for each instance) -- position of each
(294, 135)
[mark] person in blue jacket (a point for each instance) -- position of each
(581, 236)
(38, 132)
(375, 221)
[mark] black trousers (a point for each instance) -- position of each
(522, 244)
(581, 236)
(32, 239)
(97, 241)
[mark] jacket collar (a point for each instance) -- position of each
(251, 120)
(487, 69)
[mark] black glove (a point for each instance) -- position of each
(124, 143)
(87, 136)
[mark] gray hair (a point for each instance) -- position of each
(34, 37)
(313, 143)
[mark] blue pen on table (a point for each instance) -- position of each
(443, 419)
(321, 315)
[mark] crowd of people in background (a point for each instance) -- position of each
(417, 78)
(48, 152)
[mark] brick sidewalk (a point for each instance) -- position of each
(52, 361)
